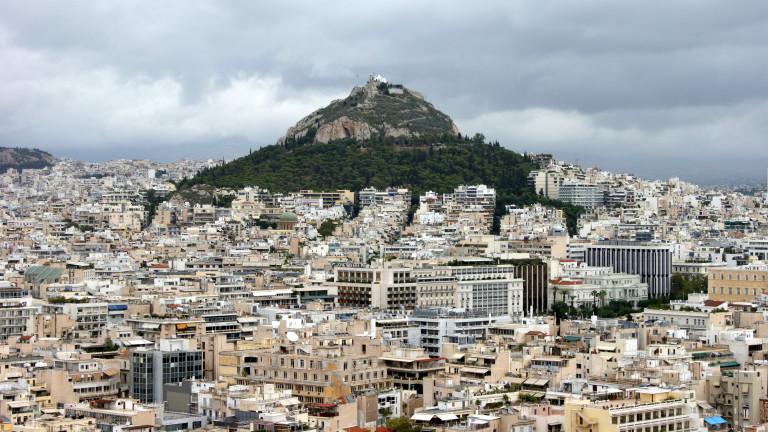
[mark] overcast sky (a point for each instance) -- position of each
(657, 88)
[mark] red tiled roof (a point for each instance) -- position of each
(565, 282)
(713, 303)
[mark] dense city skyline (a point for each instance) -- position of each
(407, 216)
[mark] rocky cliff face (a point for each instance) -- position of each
(376, 109)
(24, 158)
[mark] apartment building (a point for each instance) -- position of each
(329, 199)
(584, 195)
(90, 319)
(317, 371)
(407, 367)
(546, 183)
(737, 395)
(114, 415)
(370, 196)
(16, 317)
(380, 287)
(74, 380)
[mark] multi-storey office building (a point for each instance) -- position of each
(492, 290)
(450, 325)
(489, 289)
(534, 276)
(652, 262)
(174, 362)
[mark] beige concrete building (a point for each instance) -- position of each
(647, 409)
(737, 284)
(318, 370)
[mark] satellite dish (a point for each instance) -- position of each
(293, 337)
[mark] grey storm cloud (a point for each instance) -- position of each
(655, 88)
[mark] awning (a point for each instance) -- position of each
(422, 417)
(715, 420)
(483, 417)
(150, 326)
(536, 382)
(457, 356)
(729, 364)
(447, 417)
(517, 380)
(474, 370)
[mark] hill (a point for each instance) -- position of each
(24, 158)
(421, 164)
(377, 109)
(381, 135)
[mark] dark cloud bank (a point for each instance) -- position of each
(655, 88)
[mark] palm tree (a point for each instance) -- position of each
(554, 294)
(594, 300)
(602, 294)
(573, 297)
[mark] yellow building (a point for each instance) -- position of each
(737, 284)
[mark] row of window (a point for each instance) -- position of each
(734, 290)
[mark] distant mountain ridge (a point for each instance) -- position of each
(377, 109)
(24, 158)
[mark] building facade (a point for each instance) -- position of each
(652, 262)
